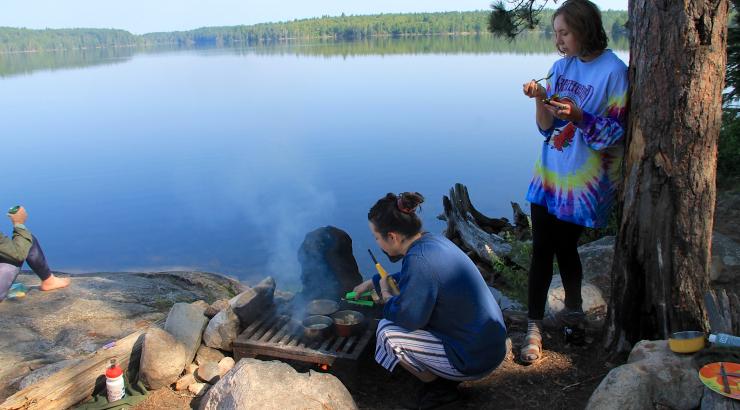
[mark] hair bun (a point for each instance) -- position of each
(407, 202)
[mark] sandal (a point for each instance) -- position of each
(531, 352)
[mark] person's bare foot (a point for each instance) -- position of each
(53, 282)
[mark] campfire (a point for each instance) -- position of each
(316, 327)
(285, 337)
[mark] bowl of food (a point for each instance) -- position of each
(348, 322)
(317, 326)
(323, 307)
(686, 342)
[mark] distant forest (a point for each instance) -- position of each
(341, 28)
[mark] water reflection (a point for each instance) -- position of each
(26, 63)
(527, 43)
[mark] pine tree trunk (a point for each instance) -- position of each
(662, 254)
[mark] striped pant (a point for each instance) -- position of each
(420, 349)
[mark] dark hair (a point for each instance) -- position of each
(397, 213)
(584, 20)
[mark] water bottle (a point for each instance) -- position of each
(114, 382)
(575, 334)
(574, 326)
(724, 340)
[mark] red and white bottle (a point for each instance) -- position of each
(114, 382)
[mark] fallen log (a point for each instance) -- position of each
(73, 384)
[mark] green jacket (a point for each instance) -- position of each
(15, 250)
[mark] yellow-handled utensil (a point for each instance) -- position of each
(384, 275)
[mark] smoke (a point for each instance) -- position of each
(282, 201)
(293, 218)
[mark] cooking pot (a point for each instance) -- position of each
(348, 322)
(317, 326)
(686, 342)
(323, 307)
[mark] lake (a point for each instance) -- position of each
(223, 159)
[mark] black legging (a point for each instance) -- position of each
(551, 236)
(37, 261)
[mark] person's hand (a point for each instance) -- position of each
(363, 287)
(385, 290)
(19, 217)
(533, 89)
(564, 109)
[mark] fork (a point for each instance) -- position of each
(543, 78)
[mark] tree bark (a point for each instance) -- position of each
(662, 254)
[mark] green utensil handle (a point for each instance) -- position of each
(352, 295)
(368, 303)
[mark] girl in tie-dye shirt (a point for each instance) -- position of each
(581, 114)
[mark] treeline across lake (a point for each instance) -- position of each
(360, 27)
(17, 40)
(341, 28)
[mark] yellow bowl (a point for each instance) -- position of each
(686, 342)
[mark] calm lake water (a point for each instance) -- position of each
(223, 159)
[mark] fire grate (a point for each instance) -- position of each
(280, 336)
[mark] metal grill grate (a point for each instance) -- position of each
(280, 336)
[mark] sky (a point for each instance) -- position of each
(145, 16)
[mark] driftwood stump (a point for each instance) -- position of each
(477, 234)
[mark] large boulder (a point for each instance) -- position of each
(593, 304)
(186, 323)
(596, 260)
(624, 388)
(654, 377)
(328, 268)
(222, 330)
(725, 267)
(254, 384)
(251, 303)
(162, 359)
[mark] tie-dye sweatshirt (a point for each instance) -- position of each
(578, 171)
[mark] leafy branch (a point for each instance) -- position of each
(523, 15)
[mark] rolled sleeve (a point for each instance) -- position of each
(15, 249)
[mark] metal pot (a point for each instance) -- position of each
(686, 342)
(323, 307)
(317, 326)
(348, 322)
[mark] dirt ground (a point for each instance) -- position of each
(564, 379)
